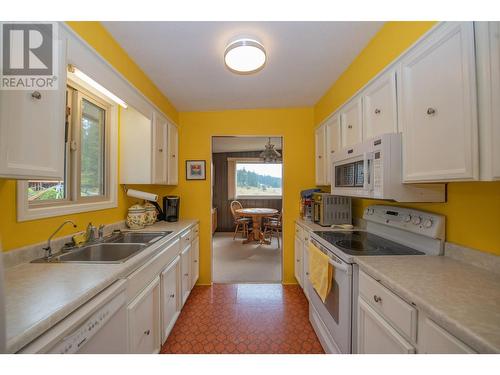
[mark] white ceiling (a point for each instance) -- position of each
(185, 60)
(236, 144)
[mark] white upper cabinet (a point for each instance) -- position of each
(380, 106)
(160, 150)
(332, 143)
(136, 134)
(173, 157)
(32, 129)
(351, 122)
(148, 147)
(320, 145)
(438, 106)
(488, 82)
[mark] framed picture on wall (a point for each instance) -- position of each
(195, 170)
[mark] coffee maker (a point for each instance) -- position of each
(171, 208)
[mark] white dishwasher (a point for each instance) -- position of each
(97, 327)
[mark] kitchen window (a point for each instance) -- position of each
(90, 161)
(253, 179)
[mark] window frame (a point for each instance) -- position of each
(253, 197)
(73, 202)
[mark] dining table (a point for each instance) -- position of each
(256, 214)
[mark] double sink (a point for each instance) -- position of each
(116, 248)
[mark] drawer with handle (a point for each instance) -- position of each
(299, 232)
(195, 232)
(400, 314)
(186, 238)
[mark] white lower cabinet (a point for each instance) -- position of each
(170, 296)
(376, 336)
(305, 265)
(299, 268)
(195, 260)
(186, 281)
(157, 290)
(435, 340)
(143, 315)
(388, 324)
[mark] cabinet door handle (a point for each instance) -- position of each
(161, 150)
(186, 274)
(377, 298)
(349, 126)
(377, 111)
(36, 95)
(431, 111)
(196, 261)
(172, 295)
(147, 332)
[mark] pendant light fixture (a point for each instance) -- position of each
(245, 56)
(270, 155)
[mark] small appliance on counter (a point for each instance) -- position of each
(171, 208)
(306, 203)
(331, 209)
(151, 211)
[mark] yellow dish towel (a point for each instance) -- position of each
(320, 271)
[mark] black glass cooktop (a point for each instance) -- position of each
(364, 243)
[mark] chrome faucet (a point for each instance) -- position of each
(48, 249)
(100, 233)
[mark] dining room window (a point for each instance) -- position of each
(254, 180)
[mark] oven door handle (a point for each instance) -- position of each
(339, 266)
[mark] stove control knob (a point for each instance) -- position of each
(407, 219)
(416, 220)
(428, 223)
(369, 211)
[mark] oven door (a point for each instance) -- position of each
(335, 312)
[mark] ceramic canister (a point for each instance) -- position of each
(136, 218)
(151, 213)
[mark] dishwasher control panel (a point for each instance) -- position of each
(81, 335)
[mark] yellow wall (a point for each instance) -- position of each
(195, 132)
(14, 234)
(472, 209)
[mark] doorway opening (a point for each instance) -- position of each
(247, 206)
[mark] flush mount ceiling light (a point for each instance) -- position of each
(245, 56)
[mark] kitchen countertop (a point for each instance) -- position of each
(316, 227)
(463, 299)
(38, 295)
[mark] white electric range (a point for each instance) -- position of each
(389, 231)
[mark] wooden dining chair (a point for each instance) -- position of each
(273, 227)
(241, 223)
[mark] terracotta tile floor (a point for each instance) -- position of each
(244, 318)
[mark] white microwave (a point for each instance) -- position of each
(373, 169)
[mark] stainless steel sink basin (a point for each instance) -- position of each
(102, 253)
(137, 237)
(114, 249)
